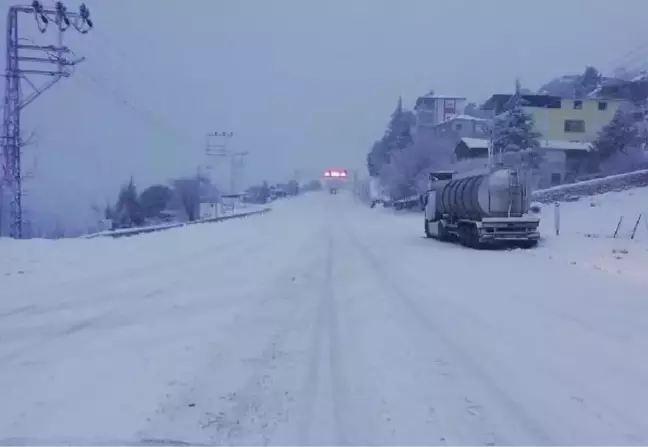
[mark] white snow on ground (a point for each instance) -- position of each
(323, 322)
(587, 230)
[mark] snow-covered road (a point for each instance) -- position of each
(322, 322)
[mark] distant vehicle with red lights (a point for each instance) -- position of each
(335, 179)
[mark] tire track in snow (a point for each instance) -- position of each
(461, 358)
(325, 384)
(247, 389)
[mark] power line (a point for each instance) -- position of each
(121, 99)
(640, 49)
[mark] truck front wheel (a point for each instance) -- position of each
(427, 229)
(443, 233)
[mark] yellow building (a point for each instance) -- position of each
(560, 119)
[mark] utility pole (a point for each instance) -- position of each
(52, 61)
(237, 169)
(491, 147)
(216, 149)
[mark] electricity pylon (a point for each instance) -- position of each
(27, 60)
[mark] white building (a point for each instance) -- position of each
(431, 110)
(560, 159)
(209, 210)
(463, 126)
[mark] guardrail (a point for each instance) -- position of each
(124, 232)
(574, 191)
(409, 203)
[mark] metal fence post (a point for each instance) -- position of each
(618, 227)
(634, 230)
(557, 218)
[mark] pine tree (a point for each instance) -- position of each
(377, 157)
(128, 211)
(587, 82)
(513, 133)
(397, 137)
(617, 136)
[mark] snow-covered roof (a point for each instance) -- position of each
(566, 145)
(461, 116)
(480, 143)
(475, 143)
(435, 96)
(642, 76)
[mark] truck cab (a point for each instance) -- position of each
(429, 199)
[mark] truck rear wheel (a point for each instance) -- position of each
(469, 236)
(464, 235)
(474, 237)
(443, 233)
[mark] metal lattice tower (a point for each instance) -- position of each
(216, 149)
(26, 60)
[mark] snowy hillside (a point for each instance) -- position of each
(587, 228)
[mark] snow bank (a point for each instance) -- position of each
(153, 228)
(56, 260)
(587, 233)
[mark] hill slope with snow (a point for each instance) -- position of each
(587, 229)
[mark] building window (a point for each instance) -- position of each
(602, 105)
(578, 105)
(555, 179)
(449, 106)
(575, 126)
(458, 127)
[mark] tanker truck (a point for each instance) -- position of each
(489, 208)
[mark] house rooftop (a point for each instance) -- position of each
(482, 143)
(430, 97)
(475, 143)
(566, 145)
(461, 116)
(497, 101)
(435, 96)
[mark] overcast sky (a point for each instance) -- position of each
(304, 84)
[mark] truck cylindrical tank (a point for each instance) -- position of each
(496, 194)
